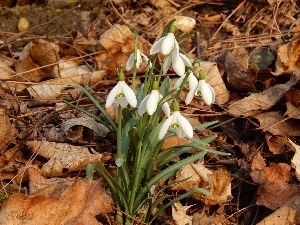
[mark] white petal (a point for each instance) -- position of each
(206, 92)
(179, 66)
(178, 82)
(193, 81)
(156, 47)
(142, 106)
(123, 102)
(138, 58)
(152, 102)
(164, 128)
(185, 125)
(185, 60)
(168, 44)
(180, 132)
(166, 109)
(129, 63)
(175, 52)
(112, 95)
(191, 95)
(213, 93)
(166, 64)
(129, 94)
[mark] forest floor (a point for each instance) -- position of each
(250, 52)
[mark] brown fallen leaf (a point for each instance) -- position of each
(236, 72)
(7, 131)
(292, 111)
(97, 128)
(288, 56)
(296, 159)
(179, 214)
(83, 200)
(287, 214)
(62, 156)
(218, 182)
(277, 144)
(48, 91)
(276, 124)
(258, 102)
(274, 191)
(35, 55)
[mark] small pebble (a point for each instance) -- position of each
(23, 24)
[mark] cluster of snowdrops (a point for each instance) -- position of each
(140, 131)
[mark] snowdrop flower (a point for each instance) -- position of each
(149, 103)
(177, 122)
(166, 44)
(203, 89)
(140, 56)
(178, 63)
(123, 93)
(192, 80)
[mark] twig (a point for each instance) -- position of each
(228, 17)
(9, 40)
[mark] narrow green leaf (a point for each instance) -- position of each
(89, 170)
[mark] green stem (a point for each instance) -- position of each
(136, 43)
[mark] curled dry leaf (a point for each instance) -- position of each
(236, 72)
(258, 102)
(288, 56)
(277, 144)
(62, 157)
(77, 204)
(292, 111)
(99, 129)
(218, 182)
(179, 214)
(214, 78)
(274, 191)
(34, 56)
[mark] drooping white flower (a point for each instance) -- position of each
(123, 93)
(179, 123)
(178, 63)
(165, 45)
(203, 89)
(140, 56)
(192, 81)
(149, 104)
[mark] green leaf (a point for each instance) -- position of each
(90, 169)
(204, 125)
(165, 174)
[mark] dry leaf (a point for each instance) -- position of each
(5, 71)
(7, 131)
(80, 201)
(274, 190)
(48, 91)
(288, 58)
(214, 78)
(236, 72)
(274, 123)
(257, 102)
(160, 3)
(218, 182)
(292, 111)
(179, 214)
(287, 214)
(296, 159)
(35, 55)
(97, 128)
(62, 157)
(277, 144)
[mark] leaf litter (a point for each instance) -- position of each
(250, 60)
